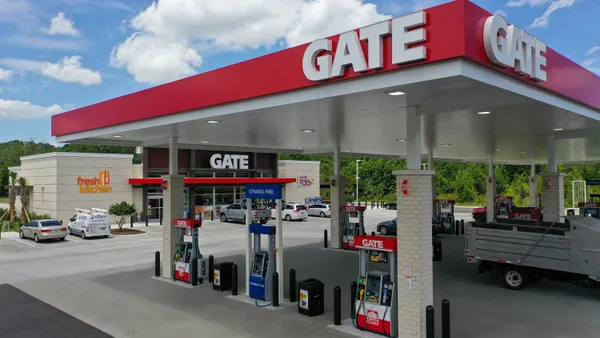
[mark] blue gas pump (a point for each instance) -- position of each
(263, 263)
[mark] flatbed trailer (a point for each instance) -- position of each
(521, 252)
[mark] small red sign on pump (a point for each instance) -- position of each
(404, 187)
(164, 185)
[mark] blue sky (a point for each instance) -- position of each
(56, 55)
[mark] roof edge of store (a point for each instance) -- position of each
(68, 154)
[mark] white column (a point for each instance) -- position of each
(553, 194)
(415, 266)
(491, 192)
(552, 167)
(279, 246)
(533, 186)
(249, 217)
(338, 198)
(430, 160)
(413, 138)
(173, 156)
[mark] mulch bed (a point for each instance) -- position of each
(126, 231)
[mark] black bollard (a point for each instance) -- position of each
(146, 219)
(131, 221)
(430, 322)
(194, 272)
(353, 287)
(160, 219)
(462, 226)
(325, 238)
(372, 233)
(457, 230)
(445, 318)
(337, 305)
(157, 264)
(292, 285)
(234, 280)
(275, 289)
(211, 268)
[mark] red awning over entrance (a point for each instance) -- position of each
(214, 181)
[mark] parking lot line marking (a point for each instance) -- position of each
(20, 241)
(72, 240)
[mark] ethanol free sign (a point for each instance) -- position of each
(266, 191)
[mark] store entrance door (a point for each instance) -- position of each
(155, 207)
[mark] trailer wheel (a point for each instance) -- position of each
(479, 217)
(515, 278)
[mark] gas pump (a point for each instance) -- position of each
(504, 206)
(353, 228)
(444, 216)
(186, 251)
(591, 208)
(263, 264)
(376, 300)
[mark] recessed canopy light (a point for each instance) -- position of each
(498, 149)
(522, 152)
(558, 129)
(347, 150)
(299, 147)
(446, 145)
(213, 121)
(307, 130)
(118, 136)
(396, 93)
(484, 113)
(401, 140)
(205, 142)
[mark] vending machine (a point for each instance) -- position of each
(353, 225)
(186, 251)
(263, 263)
(376, 299)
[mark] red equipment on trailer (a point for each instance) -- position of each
(506, 209)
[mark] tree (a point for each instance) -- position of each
(24, 200)
(12, 194)
(121, 212)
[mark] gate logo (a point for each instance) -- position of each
(370, 243)
(373, 317)
(404, 187)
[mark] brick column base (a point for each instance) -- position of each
(553, 197)
(173, 207)
(414, 190)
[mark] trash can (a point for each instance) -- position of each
(222, 276)
(311, 300)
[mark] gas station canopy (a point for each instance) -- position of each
(477, 97)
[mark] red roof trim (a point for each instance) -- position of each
(215, 181)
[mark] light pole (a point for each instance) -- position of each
(357, 178)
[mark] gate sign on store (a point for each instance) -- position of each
(229, 161)
(319, 63)
(510, 47)
(266, 191)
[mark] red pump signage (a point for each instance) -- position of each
(187, 223)
(381, 243)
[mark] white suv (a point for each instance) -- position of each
(321, 210)
(292, 212)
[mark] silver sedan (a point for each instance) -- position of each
(40, 230)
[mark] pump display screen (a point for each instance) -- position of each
(373, 290)
(377, 256)
(258, 265)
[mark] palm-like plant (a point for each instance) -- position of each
(24, 200)
(12, 194)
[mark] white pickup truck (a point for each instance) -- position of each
(235, 212)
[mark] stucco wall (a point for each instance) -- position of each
(40, 173)
(307, 178)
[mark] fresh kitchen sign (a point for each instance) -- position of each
(97, 184)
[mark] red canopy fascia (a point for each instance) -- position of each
(214, 181)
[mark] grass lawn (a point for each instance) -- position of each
(3, 199)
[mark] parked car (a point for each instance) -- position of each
(321, 210)
(387, 227)
(235, 212)
(295, 212)
(89, 223)
(391, 206)
(44, 229)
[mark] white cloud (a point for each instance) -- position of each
(61, 25)
(591, 62)
(36, 42)
(15, 110)
(501, 12)
(153, 59)
(593, 50)
(6, 75)
(167, 31)
(543, 20)
(532, 3)
(68, 69)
